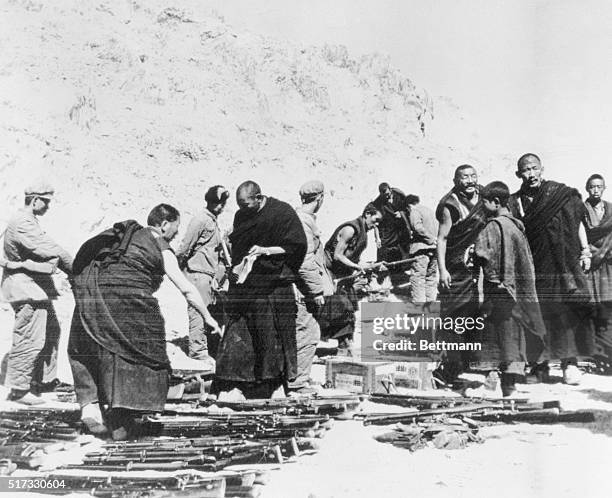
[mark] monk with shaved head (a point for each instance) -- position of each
(552, 214)
(461, 217)
(598, 223)
(258, 352)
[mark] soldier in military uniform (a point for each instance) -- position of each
(31, 258)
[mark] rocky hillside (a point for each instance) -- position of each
(125, 104)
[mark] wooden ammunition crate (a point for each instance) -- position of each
(414, 374)
(359, 376)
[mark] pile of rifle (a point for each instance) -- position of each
(200, 452)
(36, 425)
(452, 422)
(204, 453)
(256, 424)
(334, 406)
(237, 482)
(28, 437)
(210, 456)
(485, 410)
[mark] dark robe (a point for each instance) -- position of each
(462, 297)
(117, 344)
(599, 234)
(259, 342)
(514, 329)
(392, 231)
(551, 221)
(355, 247)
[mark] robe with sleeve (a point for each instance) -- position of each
(260, 342)
(599, 235)
(552, 220)
(117, 344)
(514, 329)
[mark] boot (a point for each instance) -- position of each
(345, 347)
(572, 375)
(24, 397)
(508, 384)
(91, 416)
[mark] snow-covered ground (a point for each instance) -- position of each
(527, 460)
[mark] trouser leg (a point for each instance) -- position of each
(307, 335)
(431, 279)
(45, 366)
(28, 342)
(198, 332)
(418, 279)
(198, 341)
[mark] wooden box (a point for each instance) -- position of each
(359, 376)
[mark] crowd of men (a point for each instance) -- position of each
(536, 264)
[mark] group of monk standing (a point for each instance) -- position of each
(544, 260)
(535, 264)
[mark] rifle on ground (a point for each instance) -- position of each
(429, 402)
(236, 481)
(251, 425)
(298, 405)
(417, 416)
(38, 426)
(139, 484)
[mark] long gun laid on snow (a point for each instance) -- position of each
(416, 416)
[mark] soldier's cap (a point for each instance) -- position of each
(216, 195)
(40, 188)
(312, 188)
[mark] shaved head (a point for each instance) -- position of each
(248, 197)
(249, 188)
(526, 159)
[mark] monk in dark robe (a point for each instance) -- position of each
(393, 233)
(552, 213)
(461, 218)
(117, 344)
(342, 254)
(514, 330)
(598, 223)
(258, 352)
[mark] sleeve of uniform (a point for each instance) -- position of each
(418, 226)
(41, 247)
(195, 231)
